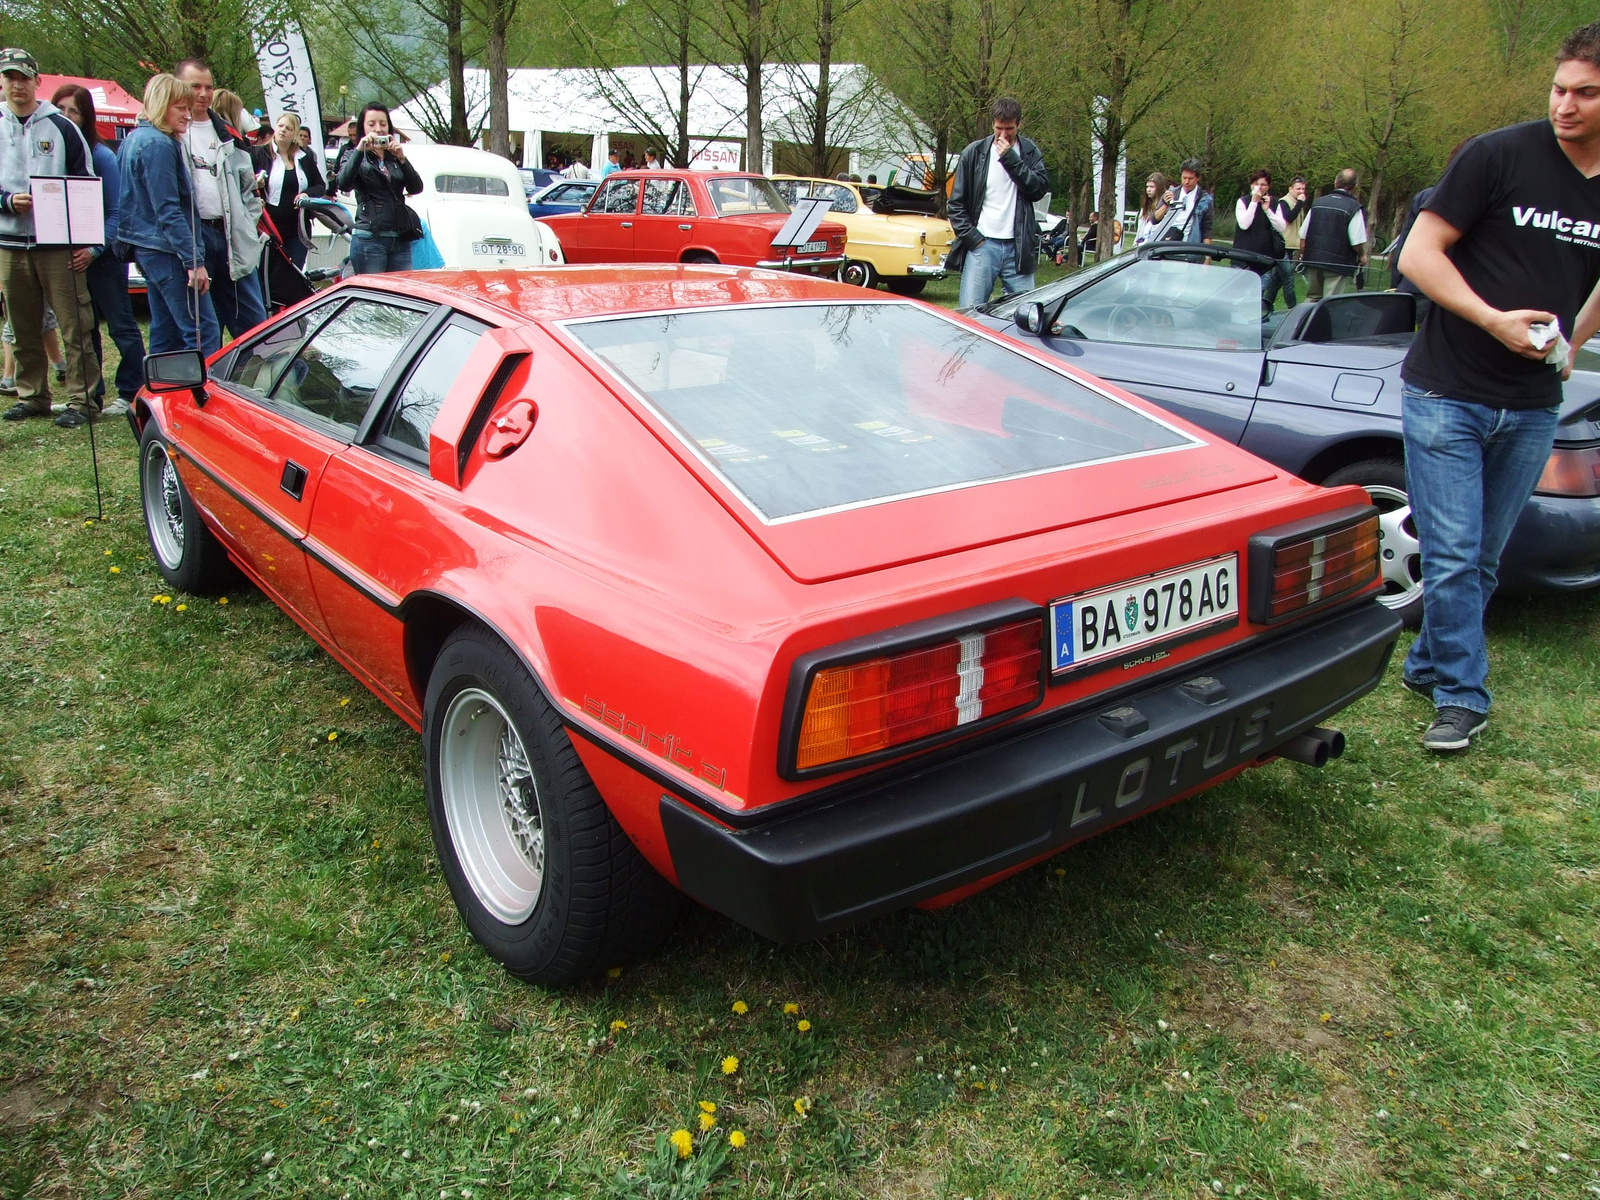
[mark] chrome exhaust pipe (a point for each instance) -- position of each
(1315, 747)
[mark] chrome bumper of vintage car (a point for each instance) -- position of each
(926, 271)
(794, 264)
(888, 840)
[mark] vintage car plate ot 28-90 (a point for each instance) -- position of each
(1139, 614)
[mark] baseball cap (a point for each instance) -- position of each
(13, 59)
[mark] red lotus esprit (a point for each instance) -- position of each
(723, 217)
(806, 603)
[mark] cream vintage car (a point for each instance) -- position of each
(893, 234)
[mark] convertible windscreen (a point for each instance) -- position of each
(808, 408)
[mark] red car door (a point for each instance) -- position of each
(604, 233)
(382, 525)
(666, 222)
(289, 402)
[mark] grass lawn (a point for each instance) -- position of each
(229, 966)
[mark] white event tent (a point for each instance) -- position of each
(585, 112)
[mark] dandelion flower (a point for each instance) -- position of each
(615, 973)
(1325, 1017)
(707, 1107)
(343, 703)
(804, 1026)
(682, 1142)
(180, 608)
(333, 737)
(444, 957)
(707, 1122)
(740, 1008)
(108, 554)
(790, 1008)
(730, 1064)
(222, 599)
(116, 570)
(1061, 870)
(802, 1105)
(618, 1026)
(736, 1139)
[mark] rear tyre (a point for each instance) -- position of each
(187, 554)
(541, 872)
(700, 256)
(859, 274)
(906, 286)
(1399, 554)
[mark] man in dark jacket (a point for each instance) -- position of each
(1333, 239)
(998, 180)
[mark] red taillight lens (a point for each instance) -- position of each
(865, 707)
(1571, 471)
(1305, 572)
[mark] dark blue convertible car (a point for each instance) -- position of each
(1315, 391)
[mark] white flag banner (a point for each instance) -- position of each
(288, 82)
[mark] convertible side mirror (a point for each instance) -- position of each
(1030, 317)
(176, 371)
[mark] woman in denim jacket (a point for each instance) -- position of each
(159, 222)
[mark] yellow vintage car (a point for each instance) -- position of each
(892, 233)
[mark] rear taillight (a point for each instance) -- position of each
(876, 706)
(1571, 471)
(1311, 564)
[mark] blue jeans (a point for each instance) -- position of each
(1469, 471)
(995, 259)
(237, 301)
(1281, 276)
(107, 278)
(375, 253)
(176, 308)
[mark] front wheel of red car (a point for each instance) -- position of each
(541, 872)
(187, 554)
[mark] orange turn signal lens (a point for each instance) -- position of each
(862, 708)
(1571, 471)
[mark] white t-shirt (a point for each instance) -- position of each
(998, 217)
(275, 177)
(204, 148)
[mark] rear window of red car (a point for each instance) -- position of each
(809, 408)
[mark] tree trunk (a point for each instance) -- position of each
(754, 52)
(680, 142)
(819, 121)
(499, 79)
(456, 60)
(1111, 134)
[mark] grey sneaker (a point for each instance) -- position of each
(1425, 690)
(22, 410)
(1453, 729)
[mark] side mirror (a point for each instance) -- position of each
(1030, 317)
(175, 371)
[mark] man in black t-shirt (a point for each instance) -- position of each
(1507, 245)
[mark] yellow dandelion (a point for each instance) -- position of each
(682, 1142)
(180, 608)
(707, 1122)
(222, 599)
(802, 1105)
(108, 554)
(804, 1026)
(707, 1107)
(618, 1026)
(614, 973)
(1061, 870)
(791, 1008)
(736, 1139)
(333, 737)
(88, 524)
(740, 1008)
(730, 1064)
(294, 1014)
(344, 702)
(1325, 1017)
(445, 957)
(116, 570)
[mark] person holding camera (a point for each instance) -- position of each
(381, 178)
(1260, 227)
(287, 174)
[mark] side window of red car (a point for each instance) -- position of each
(661, 197)
(335, 376)
(405, 427)
(256, 367)
(619, 196)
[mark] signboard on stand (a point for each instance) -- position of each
(287, 80)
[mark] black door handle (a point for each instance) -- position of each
(294, 479)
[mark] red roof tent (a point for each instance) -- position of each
(115, 111)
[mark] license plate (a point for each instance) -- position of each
(1113, 621)
(812, 248)
(500, 249)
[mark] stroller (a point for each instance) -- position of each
(283, 283)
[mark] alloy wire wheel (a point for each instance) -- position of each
(163, 504)
(1399, 552)
(491, 802)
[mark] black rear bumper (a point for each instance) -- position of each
(893, 843)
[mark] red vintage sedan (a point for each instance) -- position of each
(693, 217)
(806, 603)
